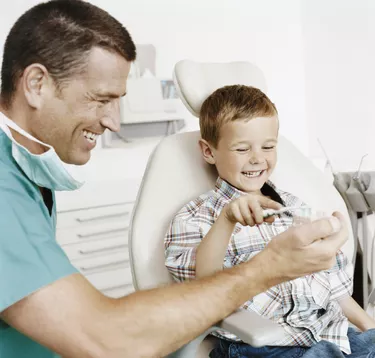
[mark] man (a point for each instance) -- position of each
(64, 70)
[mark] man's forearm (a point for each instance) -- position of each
(212, 249)
(156, 322)
(73, 319)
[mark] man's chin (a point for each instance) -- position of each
(78, 159)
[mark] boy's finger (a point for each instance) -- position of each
(236, 213)
(269, 219)
(246, 213)
(257, 211)
(269, 203)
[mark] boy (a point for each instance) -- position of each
(224, 227)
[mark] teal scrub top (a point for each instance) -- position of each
(30, 257)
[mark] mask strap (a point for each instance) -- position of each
(18, 129)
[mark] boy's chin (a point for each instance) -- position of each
(249, 188)
(253, 187)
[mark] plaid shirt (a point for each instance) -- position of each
(307, 307)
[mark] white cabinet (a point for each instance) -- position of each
(92, 229)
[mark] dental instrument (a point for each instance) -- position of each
(270, 212)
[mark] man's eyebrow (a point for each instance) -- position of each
(108, 94)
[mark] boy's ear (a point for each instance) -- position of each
(206, 150)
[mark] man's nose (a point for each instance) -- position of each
(111, 119)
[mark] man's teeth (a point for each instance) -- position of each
(252, 174)
(91, 137)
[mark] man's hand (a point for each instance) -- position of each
(305, 249)
(248, 209)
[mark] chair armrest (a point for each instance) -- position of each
(252, 328)
(246, 325)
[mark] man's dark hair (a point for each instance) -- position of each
(59, 35)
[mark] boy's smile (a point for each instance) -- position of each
(246, 153)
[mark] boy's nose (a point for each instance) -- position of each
(256, 159)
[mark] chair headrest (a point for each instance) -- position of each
(195, 81)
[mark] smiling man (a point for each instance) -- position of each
(64, 70)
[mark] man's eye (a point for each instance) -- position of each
(104, 101)
(242, 150)
(269, 148)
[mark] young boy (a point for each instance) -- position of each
(224, 227)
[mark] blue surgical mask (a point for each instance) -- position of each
(45, 170)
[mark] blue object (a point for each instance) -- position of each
(30, 257)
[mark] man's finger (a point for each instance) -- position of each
(322, 228)
(338, 239)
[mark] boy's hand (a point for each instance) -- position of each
(248, 209)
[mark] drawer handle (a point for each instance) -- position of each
(98, 233)
(101, 217)
(109, 264)
(110, 288)
(93, 251)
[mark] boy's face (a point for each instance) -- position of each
(246, 153)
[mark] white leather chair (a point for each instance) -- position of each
(176, 173)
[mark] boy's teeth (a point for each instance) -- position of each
(253, 174)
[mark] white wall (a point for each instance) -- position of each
(266, 32)
(318, 57)
(339, 58)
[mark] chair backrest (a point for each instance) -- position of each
(196, 81)
(176, 174)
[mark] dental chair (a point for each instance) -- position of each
(176, 173)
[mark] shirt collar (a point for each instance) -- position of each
(227, 190)
(230, 192)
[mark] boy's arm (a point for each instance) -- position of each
(341, 280)
(355, 314)
(246, 210)
(211, 252)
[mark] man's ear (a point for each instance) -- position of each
(207, 151)
(35, 81)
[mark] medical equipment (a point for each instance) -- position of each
(289, 209)
(358, 191)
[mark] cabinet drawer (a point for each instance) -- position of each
(96, 248)
(94, 216)
(119, 291)
(94, 232)
(103, 263)
(116, 279)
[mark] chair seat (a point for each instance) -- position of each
(176, 173)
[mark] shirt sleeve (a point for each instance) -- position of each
(341, 277)
(181, 242)
(30, 257)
